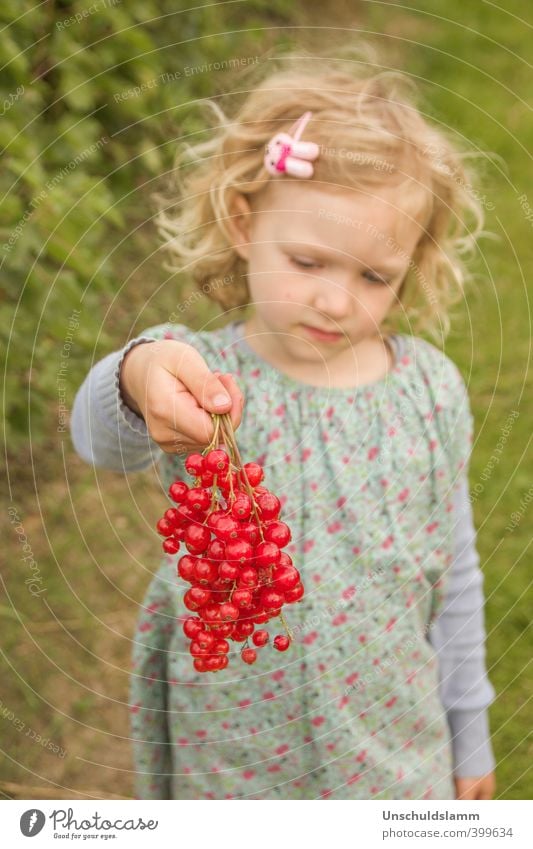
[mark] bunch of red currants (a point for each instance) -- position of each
(239, 576)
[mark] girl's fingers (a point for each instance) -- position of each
(181, 424)
(173, 412)
(207, 388)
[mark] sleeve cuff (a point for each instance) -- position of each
(115, 412)
(471, 744)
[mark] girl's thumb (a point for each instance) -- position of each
(220, 398)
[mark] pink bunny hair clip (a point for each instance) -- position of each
(285, 153)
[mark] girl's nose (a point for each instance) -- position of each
(334, 300)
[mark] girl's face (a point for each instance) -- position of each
(324, 268)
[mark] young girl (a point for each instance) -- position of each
(331, 232)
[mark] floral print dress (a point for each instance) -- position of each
(351, 711)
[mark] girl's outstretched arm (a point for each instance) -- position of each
(150, 399)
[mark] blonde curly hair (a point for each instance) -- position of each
(371, 133)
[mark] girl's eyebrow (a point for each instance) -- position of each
(317, 251)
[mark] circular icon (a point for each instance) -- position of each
(32, 822)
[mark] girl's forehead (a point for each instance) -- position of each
(333, 217)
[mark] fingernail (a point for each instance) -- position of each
(221, 400)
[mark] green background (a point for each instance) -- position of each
(82, 156)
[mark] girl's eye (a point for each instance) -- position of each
(375, 278)
(304, 263)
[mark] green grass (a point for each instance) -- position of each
(65, 661)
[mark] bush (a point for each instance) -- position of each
(89, 113)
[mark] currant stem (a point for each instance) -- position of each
(284, 623)
(214, 496)
(231, 437)
(215, 440)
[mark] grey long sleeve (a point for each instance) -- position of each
(106, 433)
(458, 637)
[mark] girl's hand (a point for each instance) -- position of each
(169, 384)
(482, 787)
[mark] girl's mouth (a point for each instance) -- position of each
(322, 335)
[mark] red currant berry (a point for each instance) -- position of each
(210, 614)
(245, 627)
(242, 598)
(220, 647)
(196, 650)
(205, 572)
(295, 594)
(250, 532)
(194, 464)
(249, 655)
(186, 566)
(197, 538)
(269, 506)
(213, 518)
(285, 578)
(284, 559)
(242, 506)
(237, 636)
(254, 473)
(260, 638)
(196, 597)
(185, 514)
(198, 498)
(242, 631)
(165, 528)
(192, 627)
(271, 599)
(216, 550)
(239, 551)
(206, 640)
(248, 578)
(171, 545)
(266, 554)
(207, 479)
(277, 532)
(229, 611)
(223, 661)
(281, 642)
(212, 663)
(178, 491)
(173, 516)
(227, 528)
(199, 664)
(179, 533)
(220, 588)
(225, 629)
(228, 571)
(216, 461)
(260, 618)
